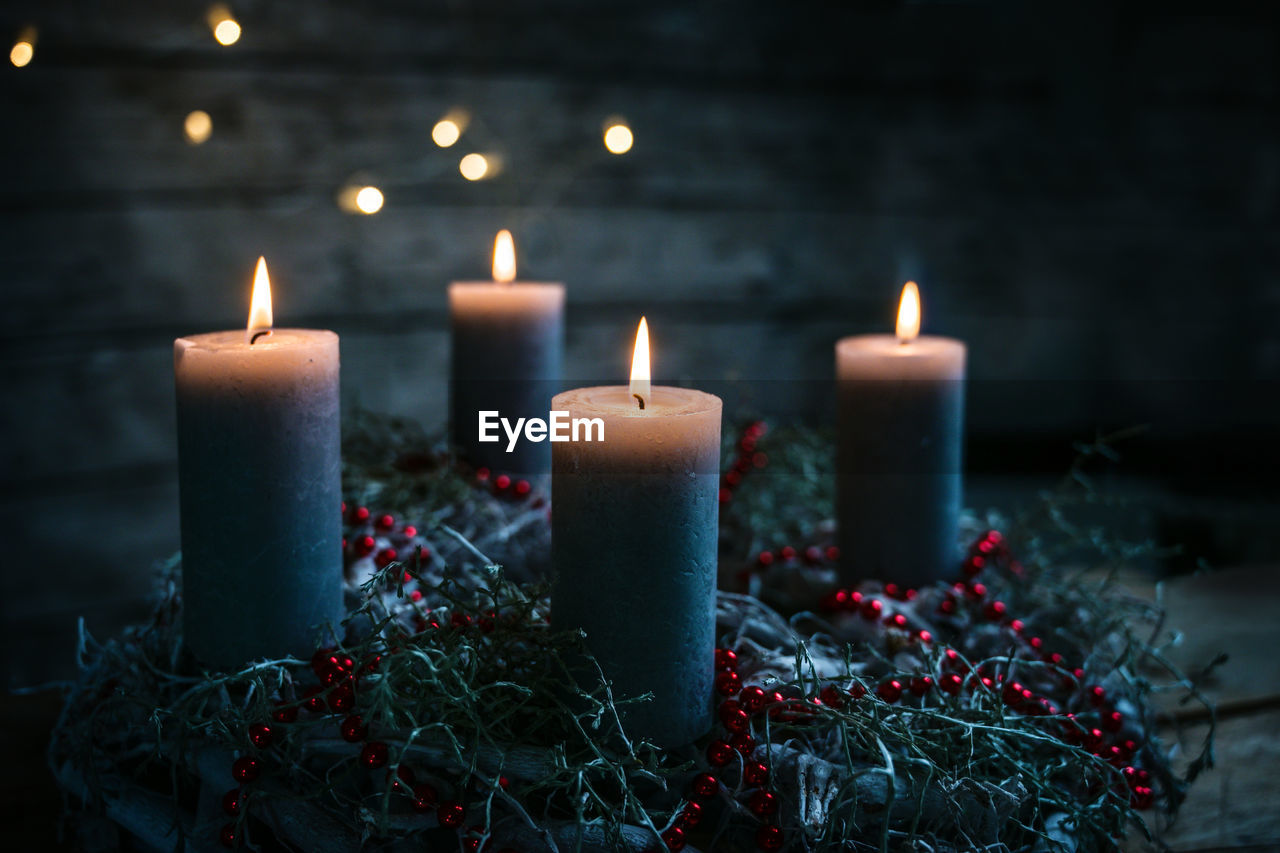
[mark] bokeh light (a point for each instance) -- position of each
(22, 53)
(473, 167)
(226, 29)
(446, 132)
(197, 127)
(618, 138)
(369, 200)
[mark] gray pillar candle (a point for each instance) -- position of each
(633, 540)
(260, 487)
(900, 421)
(507, 347)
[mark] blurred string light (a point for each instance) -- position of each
(617, 136)
(475, 167)
(197, 127)
(358, 196)
(226, 29)
(24, 49)
(450, 128)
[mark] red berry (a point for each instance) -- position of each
(374, 755)
(763, 804)
(752, 698)
(342, 698)
(921, 685)
(425, 797)
(1036, 643)
(502, 482)
(833, 553)
(260, 735)
(690, 815)
(725, 496)
(1016, 626)
(673, 837)
(755, 774)
(450, 814)
(1097, 695)
(871, 608)
(742, 742)
(765, 558)
(719, 753)
(787, 553)
(364, 546)
(410, 531)
(897, 620)
(890, 691)
(285, 713)
(246, 768)
(353, 729)
(1143, 797)
(951, 683)
(360, 515)
(925, 637)
(994, 611)
(313, 701)
(726, 659)
(728, 683)
(831, 697)
(813, 555)
(482, 474)
(857, 691)
(523, 487)
(703, 785)
(385, 523)
(736, 720)
(976, 591)
(1113, 721)
(385, 557)
(231, 802)
(769, 838)
(227, 837)
(974, 566)
(947, 606)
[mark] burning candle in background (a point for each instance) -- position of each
(900, 420)
(507, 347)
(633, 540)
(260, 484)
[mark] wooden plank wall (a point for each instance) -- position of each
(1090, 200)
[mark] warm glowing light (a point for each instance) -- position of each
(618, 138)
(504, 257)
(473, 167)
(225, 27)
(640, 365)
(260, 304)
(197, 127)
(22, 53)
(909, 313)
(446, 132)
(369, 200)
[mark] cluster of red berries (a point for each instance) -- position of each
(1103, 739)
(747, 459)
(335, 695)
(503, 486)
(734, 748)
(380, 537)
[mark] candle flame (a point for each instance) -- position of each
(909, 313)
(640, 365)
(260, 304)
(504, 257)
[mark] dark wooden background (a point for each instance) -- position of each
(1090, 198)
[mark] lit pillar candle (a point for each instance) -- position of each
(633, 541)
(507, 346)
(260, 483)
(900, 406)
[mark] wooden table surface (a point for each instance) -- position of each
(1234, 806)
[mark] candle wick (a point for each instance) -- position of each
(257, 335)
(639, 400)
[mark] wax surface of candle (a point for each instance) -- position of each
(634, 540)
(900, 414)
(507, 348)
(260, 491)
